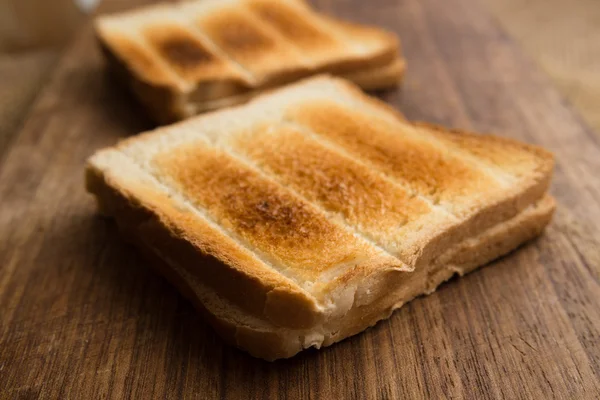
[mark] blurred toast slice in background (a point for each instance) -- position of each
(185, 58)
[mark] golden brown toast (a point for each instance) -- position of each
(313, 211)
(184, 58)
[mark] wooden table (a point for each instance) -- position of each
(81, 316)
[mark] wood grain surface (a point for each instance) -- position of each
(82, 317)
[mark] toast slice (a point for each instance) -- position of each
(294, 230)
(188, 57)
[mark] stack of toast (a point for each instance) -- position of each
(184, 58)
(313, 211)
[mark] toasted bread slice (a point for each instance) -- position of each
(199, 55)
(302, 225)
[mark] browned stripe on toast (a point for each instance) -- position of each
(300, 27)
(296, 27)
(185, 52)
(331, 46)
(189, 56)
(253, 45)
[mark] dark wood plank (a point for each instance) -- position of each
(83, 317)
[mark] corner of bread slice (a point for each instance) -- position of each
(160, 223)
(378, 46)
(139, 67)
(121, 36)
(377, 296)
(527, 168)
(371, 299)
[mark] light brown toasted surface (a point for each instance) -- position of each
(382, 210)
(188, 53)
(280, 226)
(401, 153)
(251, 43)
(296, 25)
(412, 168)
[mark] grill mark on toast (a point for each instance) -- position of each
(185, 53)
(248, 76)
(237, 35)
(253, 44)
(292, 25)
(370, 204)
(426, 168)
(242, 37)
(268, 217)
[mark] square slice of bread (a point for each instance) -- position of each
(183, 58)
(313, 211)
